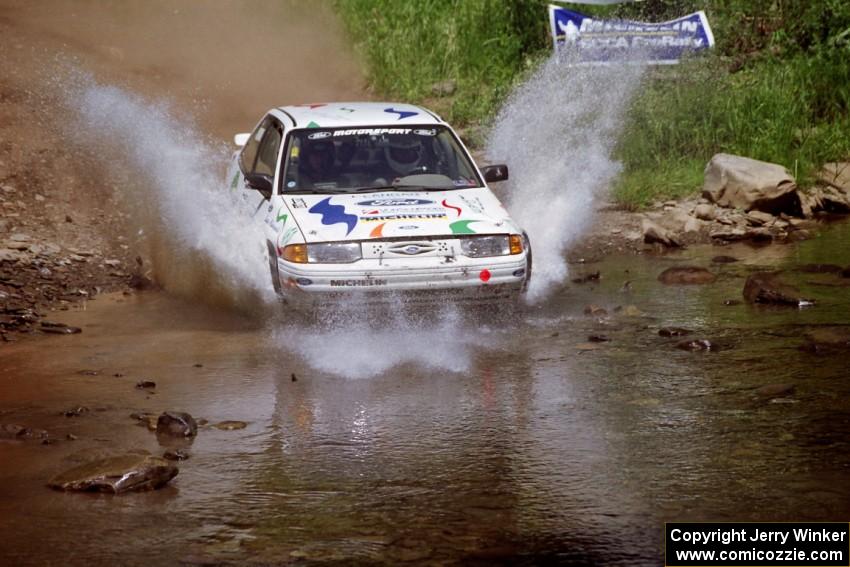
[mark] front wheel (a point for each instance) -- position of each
(273, 269)
(527, 243)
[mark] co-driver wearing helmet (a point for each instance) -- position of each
(317, 163)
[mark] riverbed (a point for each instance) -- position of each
(441, 440)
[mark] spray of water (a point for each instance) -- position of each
(173, 186)
(557, 133)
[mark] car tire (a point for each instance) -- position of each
(275, 275)
(528, 263)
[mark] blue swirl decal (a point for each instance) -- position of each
(334, 214)
(401, 113)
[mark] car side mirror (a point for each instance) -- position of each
(259, 182)
(495, 173)
(241, 139)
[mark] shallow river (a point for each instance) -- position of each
(443, 441)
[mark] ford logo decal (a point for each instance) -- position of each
(394, 202)
(304, 281)
(412, 249)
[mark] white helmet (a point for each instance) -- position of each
(404, 154)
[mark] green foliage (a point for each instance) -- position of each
(480, 45)
(777, 86)
(787, 104)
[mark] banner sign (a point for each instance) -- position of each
(599, 41)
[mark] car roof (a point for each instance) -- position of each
(353, 114)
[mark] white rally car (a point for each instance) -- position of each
(380, 199)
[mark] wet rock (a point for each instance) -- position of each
(768, 288)
(595, 310)
(71, 437)
(775, 390)
(820, 268)
(799, 235)
(705, 212)
(59, 328)
(175, 455)
(831, 340)
(230, 425)
(145, 384)
(14, 431)
(744, 183)
(587, 278)
(141, 282)
(653, 233)
(146, 419)
(697, 345)
(76, 412)
(724, 259)
(731, 302)
(176, 424)
(116, 475)
(19, 237)
(686, 275)
(598, 339)
(631, 311)
(673, 332)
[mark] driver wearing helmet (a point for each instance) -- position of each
(405, 155)
(317, 163)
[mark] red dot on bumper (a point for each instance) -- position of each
(484, 275)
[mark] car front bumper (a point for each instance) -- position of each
(420, 280)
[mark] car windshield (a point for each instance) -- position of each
(348, 160)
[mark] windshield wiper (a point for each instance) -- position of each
(421, 188)
(314, 191)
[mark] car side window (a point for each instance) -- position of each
(267, 156)
(248, 157)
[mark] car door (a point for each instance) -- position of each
(258, 160)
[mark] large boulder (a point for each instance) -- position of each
(117, 474)
(767, 287)
(745, 183)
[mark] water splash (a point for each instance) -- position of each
(557, 133)
(363, 344)
(173, 182)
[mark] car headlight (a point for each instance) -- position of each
(324, 253)
(484, 246)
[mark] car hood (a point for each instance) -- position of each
(363, 216)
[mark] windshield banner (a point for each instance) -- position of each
(593, 40)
